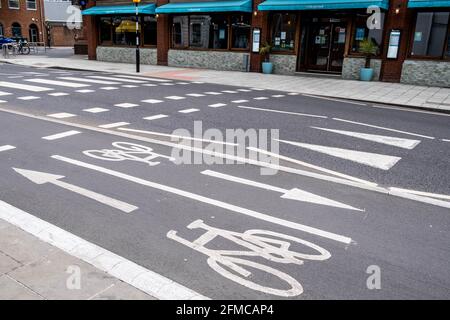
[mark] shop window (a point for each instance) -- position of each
(16, 30)
(13, 4)
(430, 35)
(240, 31)
(208, 32)
(149, 27)
(105, 30)
(361, 32)
(124, 30)
(283, 31)
(180, 29)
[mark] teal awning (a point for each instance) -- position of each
(428, 4)
(148, 8)
(208, 6)
(284, 5)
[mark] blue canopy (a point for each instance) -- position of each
(283, 5)
(148, 8)
(209, 6)
(428, 4)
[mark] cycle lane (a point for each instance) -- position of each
(141, 235)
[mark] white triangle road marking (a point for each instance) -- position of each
(392, 141)
(374, 160)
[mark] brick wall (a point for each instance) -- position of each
(61, 36)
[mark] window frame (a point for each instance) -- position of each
(230, 48)
(297, 34)
(31, 1)
(443, 56)
(356, 54)
(14, 8)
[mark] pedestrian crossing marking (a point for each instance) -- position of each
(85, 91)
(217, 105)
(58, 83)
(88, 80)
(21, 86)
(189, 110)
(61, 115)
(58, 94)
(28, 98)
(96, 110)
(126, 105)
(116, 79)
(152, 101)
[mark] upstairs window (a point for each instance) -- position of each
(31, 4)
(13, 4)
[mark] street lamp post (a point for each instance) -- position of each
(136, 2)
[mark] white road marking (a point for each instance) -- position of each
(278, 95)
(3, 101)
(149, 85)
(293, 93)
(446, 140)
(59, 83)
(198, 82)
(229, 91)
(183, 83)
(96, 110)
(88, 80)
(312, 166)
(6, 148)
(333, 99)
(260, 98)
(61, 115)
(85, 91)
(213, 93)
(26, 87)
(189, 110)
(152, 101)
(392, 141)
(61, 135)
(126, 105)
(374, 160)
(419, 198)
(239, 101)
(422, 193)
(175, 98)
(284, 112)
(142, 78)
(383, 128)
(407, 109)
(113, 125)
(217, 105)
(155, 117)
(137, 276)
(129, 86)
(258, 89)
(29, 98)
(195, 95)
(109, 88)
(293, 194)
(217, 203)
(166, 84)
(58, 94)
(43, 178)
(116, 79)
(178, 136)
(3, 93)
(244, 90)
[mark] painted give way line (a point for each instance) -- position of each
(217, 203)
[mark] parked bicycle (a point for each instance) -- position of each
(22, 47)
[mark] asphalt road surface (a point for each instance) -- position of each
(357, 187)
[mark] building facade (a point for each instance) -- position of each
(22, 19)
(314, 36)
(58, 18)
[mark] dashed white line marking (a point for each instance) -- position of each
(183, 83)
(3, 101)
(85, 91)
(391, 141)
(284, 112)
(155, 117)
(167, 84)
(198, 82)
(260, 98)
(59, 83)
(229, 91)
(95, 110)
(422, 193)
(383, 128)
(258, 89)
(446, 140)
(61, 135)
(217, 105)
(129, 86)
(61, 115)
(6, 148)
(109, 88)
(239, 101)
(137, 276)
(213, 93)
(126, 105)
(175, 98)
(26, 87)
(278, 95)
(375, 160)
(293, 93)
(58, 94)
(195, 95)
(3, 93)
(88, 80)
(152, 101)
(189, 110)
(244, 90)
(149, 85)
(29, 98)
(113, 125)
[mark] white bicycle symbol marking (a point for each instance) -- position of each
(261, 243)
(127, 151)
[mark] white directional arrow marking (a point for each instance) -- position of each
(392, 141)
(293, 194)
(42, 178)
(375, 160)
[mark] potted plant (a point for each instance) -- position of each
(264, 51)
(369, 49)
